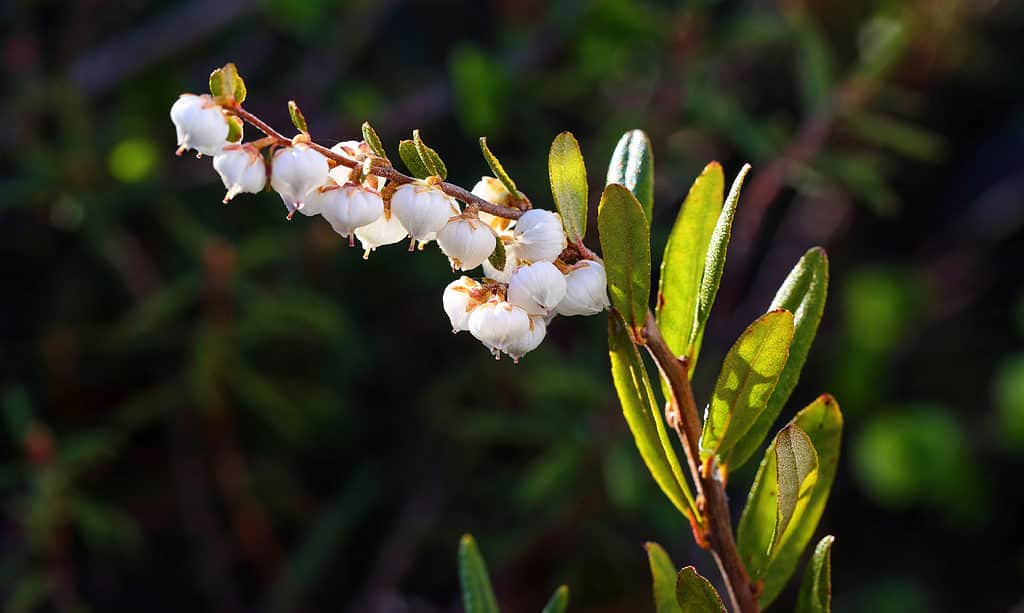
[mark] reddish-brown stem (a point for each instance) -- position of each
(386, 171)
(684, 420)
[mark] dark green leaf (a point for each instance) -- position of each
(626, 246)
(497, 168)
(714, 264)
(477, 594)
(298, 120)
(682, 266)
(802, 293)
(430, 158)
(748, 377)
(373, 141)
(816, 590)
(558, 602)
(632, 165)
(823, 424)
(568, 176)
(497, 257)
(663, 572)
(695, 594)
(644, 419)
(411, 157)
(234, 129)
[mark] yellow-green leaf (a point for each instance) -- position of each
(411, 158)
(796, 471)
(373, 141)
(822, 421)
(682, 266)
(663, 574)
(558, 602)
(568, 176)
(477, 594)
(626, 246)
(298, 119)
(714, 264)
(240, 91)
(632, 165)
(803, 293)
(430, 158)
(235, 128)
(644, 419)
(748, 377)
(217, 83)
(497, 168)
(816, 589)
(695, 594)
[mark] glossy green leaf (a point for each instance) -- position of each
(559, 601)
(568, 176)
(497, 168)
(644, 419)
(373, 141)
(695, 594)
(682, 266)
(298, 119)
(626, 246)
(816, 589)
(498, 257)
(802, 293)
(632, 165)
(234, 129)
(431, 160)
(477, 594)
(714, 264)
(411, 158)
(663, 573)
(748, 377)
(822, 421)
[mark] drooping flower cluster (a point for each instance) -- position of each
(508, 309)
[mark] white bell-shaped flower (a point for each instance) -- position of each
(423, 209)
(242, 170)
(493, 190)
(357, 151)
(520, 346)
(537, 287)
(459, 299)
(539, 236)
(387, 230)
(466, 241)
(200, 124)
(296, 171)
(586, 290)
(498, 324)
(350, 206)
(511, 263)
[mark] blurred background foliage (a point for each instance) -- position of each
(205, 407)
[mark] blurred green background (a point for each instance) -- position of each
(206, 408)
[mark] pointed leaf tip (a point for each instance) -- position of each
(632, 165)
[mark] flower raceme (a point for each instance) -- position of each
(508, 309)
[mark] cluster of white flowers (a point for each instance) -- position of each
(508, 310)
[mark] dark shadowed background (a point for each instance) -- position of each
(205, 408)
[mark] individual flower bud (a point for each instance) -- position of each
(242, 170)
(357, 151)
(539, 236)
(423, 209)
(349, 207)
(586, 290)
(493, 190)
(466, 241)
(537, 287)
(200, 124)
(497, 324)
(296, 171)
(521, 345)
(387, 230)
(459, 299)
(511, 262)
